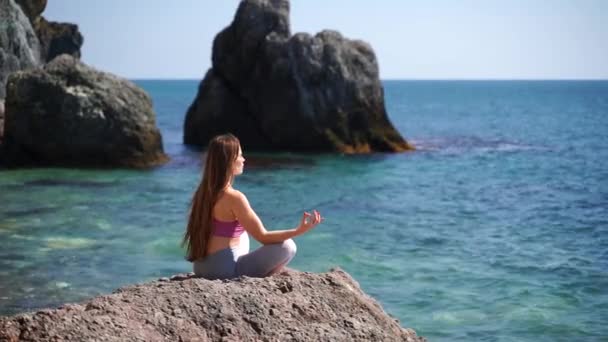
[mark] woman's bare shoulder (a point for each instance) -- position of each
(234, 195)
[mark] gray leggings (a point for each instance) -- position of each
(232, 262)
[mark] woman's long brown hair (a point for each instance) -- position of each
(222, 152)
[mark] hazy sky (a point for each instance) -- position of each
(423, 39)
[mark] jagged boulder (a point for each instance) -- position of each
(278, 91)
(19, 47)
(55, 38)
(294, 306)
(69, 114)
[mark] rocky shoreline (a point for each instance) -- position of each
(295, 306)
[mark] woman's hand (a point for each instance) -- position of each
(309, 221)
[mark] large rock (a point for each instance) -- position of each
(32, 8)
(55, 38)
(19, 46)
(1, 122)
(289, 307)
(69, 114)
(278, 91)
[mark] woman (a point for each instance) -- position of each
(220, 219)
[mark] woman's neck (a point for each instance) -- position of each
(228, 186)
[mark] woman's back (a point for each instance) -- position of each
(222, 211)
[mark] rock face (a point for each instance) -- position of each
(32, 8)
(1, 124)
(278, 91)
(294, 306)
(55, 38)
(69, 114)
(19, 47)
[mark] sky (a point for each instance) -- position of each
(412, 39)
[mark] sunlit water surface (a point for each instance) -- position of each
(495, 229)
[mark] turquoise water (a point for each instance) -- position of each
(496, 229)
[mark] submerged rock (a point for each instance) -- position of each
(19, 46)
(278, 91)
(292, 306)
(69, 114)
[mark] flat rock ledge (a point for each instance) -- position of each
(291, 306)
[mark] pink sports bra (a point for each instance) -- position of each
(230, 229)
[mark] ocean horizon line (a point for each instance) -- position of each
(418, 79)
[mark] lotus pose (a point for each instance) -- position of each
(217, 238)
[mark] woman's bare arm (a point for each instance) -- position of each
(253, 225)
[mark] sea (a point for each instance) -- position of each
(494, 229)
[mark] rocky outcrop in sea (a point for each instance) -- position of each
(64, 113)
(278, 91)
(19, 46)
(292, 306)
(69, 114)
(55, 38)
(28, 40)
